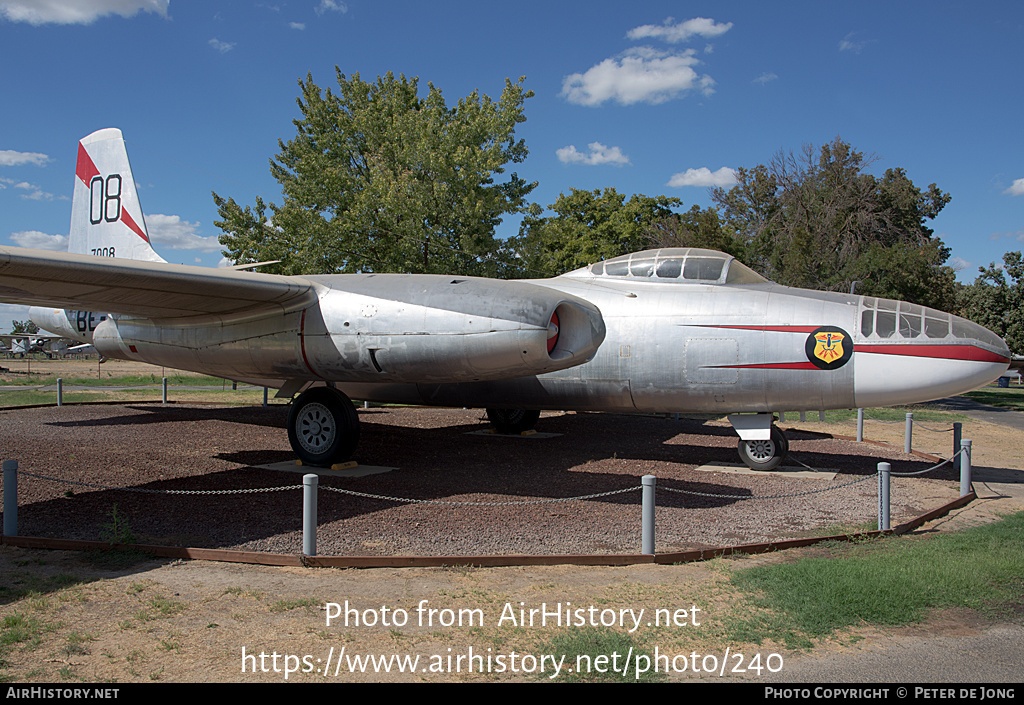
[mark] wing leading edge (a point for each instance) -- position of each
(156, 290)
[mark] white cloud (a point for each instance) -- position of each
(640, 75)
(39, 12)
(40, 241)
(704, 177)
(851, 43)
(682, 31)
(171, 231)
(297, 25)
(597, 154)
(766, 78)
(11, 158)
(222, 47)
(958, 264)
(1017, 189)
(34, 192)
(330, 6)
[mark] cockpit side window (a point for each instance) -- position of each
(884, 318)
(670, 268)
(740, 273)
(680, 264)
(703, 268)
(642, 267)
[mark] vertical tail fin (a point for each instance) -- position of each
(106, 216)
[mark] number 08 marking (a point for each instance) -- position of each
(105, 199)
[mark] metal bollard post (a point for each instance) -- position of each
(908, 434)
(647, 515)
(965, 468)
(165, 390)
(10, 497)
(860, 425)
(264, 396)
(958, 430)
(60, 391)
(309, 485)
(883, 496)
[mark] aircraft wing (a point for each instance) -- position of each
(147, 289)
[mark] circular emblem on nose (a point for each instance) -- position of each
(829, 347)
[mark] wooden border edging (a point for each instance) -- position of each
(278, 559)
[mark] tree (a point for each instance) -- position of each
(588, 226)
(695, 228)
(996, 300)
(820, 221)
(379, 179)
(24, 327)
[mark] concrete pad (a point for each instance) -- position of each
(341, 471)
(524, 434)
(782, 471)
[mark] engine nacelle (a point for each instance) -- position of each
(379, 328)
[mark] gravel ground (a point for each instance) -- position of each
(198, 447)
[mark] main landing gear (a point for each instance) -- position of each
(762, 446)
(513, 420)
(764, 454)
(323, 427)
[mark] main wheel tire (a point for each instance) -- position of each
(765, 454)
(323, 427)
(513, 420)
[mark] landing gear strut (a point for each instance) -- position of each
(323, 427)
(513, 420)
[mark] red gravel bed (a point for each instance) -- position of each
(195, 447)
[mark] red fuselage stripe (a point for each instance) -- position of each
(946, 352)
(773, 329)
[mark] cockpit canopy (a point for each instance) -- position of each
(688, 264)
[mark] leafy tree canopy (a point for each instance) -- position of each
(588, 226)
(379, 179)
(996, 300)
(24, 327)
(820, 221)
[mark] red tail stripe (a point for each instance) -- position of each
(85, 169)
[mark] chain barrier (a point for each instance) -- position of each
(918, 424)
(774, 496)
(479, 504)
(933, 467)
(367, 495)
(141, 490)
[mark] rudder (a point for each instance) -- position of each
(106, 216)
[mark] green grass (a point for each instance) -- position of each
(890, 581)
(13, 398)
(124, 381)
(1008, 397)
(895, 413)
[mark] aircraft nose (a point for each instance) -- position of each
(907, 354)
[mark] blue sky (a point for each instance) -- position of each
(646, 97)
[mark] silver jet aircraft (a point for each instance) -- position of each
(669, 330)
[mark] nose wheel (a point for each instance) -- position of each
(765, 454)
(323, 427)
